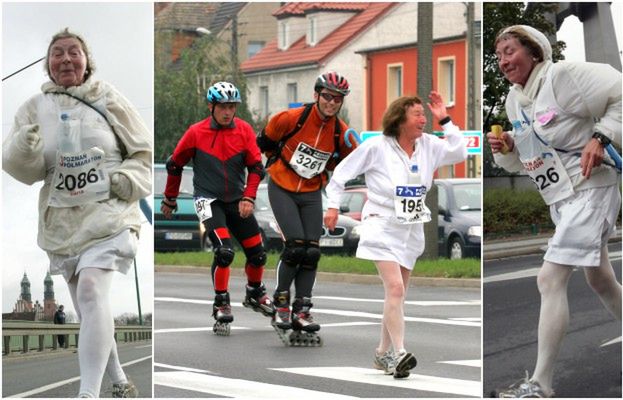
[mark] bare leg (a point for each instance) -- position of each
(552, 281)
(603, 282)
(393, 311)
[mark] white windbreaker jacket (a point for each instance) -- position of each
(384, 164)
(585, 98)
(128, 150)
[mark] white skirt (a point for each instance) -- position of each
(382, 239)
(115, 253)
(584, 222)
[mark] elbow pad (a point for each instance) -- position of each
(258, 169)
(264, 143)
(173, 168)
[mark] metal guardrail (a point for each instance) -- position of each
(23, 336)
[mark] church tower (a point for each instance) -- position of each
(49, 303)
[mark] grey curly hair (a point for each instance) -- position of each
(64, 34)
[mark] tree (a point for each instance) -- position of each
(496, 17)
(180, 87)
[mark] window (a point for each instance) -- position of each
(253, 47)
(446, 80)
(394, 82)
(312, 34)
(292, 93)
(283, 35)
(263, 101)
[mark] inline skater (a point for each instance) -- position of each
(301, 145)
(222, 147)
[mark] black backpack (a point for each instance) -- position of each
(265, 144)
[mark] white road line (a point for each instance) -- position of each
(341, 324)
(525, 273)
(67, 381)
(361, 314)
(474, 319)
(344, 313)
(413, 303)
(530, 272)
(613, 341)
(199, 329)
(464, 363)
(238, 388)
(178, 368)
(371, 376)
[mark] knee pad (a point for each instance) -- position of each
(224, 256)
(312, 255)
(293, 252)
(257, 260)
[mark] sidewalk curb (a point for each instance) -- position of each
(332, 277)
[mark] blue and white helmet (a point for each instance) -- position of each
(223, 92)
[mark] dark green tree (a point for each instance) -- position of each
(497, 16)
(180, 87)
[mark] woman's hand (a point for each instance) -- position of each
(497, 143)
(29, 137)
(330, 218)
(592, 156)
(437, 106)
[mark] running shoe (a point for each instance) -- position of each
(404, 363)
(385, 362)
(124, 390)
(523, 388)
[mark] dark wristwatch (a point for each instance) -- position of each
(601, 138)
(445, 120)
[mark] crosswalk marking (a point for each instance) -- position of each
(409, 302)
(464, 363)
(239, 388)
(426, 383)
(346, 313)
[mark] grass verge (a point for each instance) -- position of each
(439, 268)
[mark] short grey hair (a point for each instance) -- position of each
(64, 34)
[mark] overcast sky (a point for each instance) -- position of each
(120, 36)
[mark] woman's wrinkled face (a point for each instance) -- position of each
(415, 121)
(67, 62)
(514, 60)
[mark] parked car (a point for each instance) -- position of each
(460, 216)
(343, 239)
(459, 220)
(181, 232)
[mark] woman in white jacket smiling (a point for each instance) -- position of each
(563, 115)
(398, 168)
(93, 152)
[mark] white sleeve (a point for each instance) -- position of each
(451, 150)
(591, 90)
(22, 163)
(509, 161)
(356, 163)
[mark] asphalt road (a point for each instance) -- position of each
(590, 360)
(56, 374)
(443, 330)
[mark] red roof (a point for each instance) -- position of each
(299, 8)
(299, 53)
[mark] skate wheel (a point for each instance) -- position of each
(221, 329)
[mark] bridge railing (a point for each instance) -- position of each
(24, 336)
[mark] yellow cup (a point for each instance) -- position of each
(497, 130)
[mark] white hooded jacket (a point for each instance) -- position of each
(128, 151)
